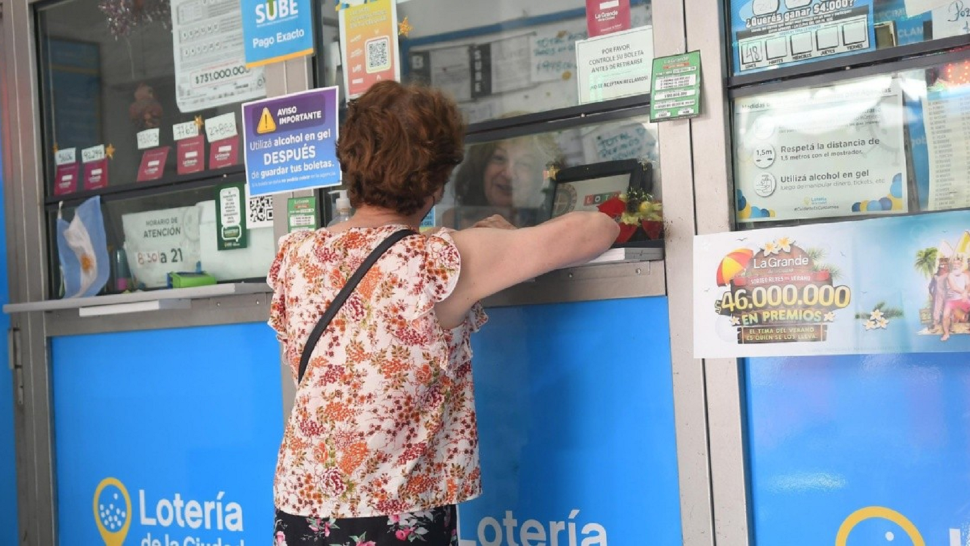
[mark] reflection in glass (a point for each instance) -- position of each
(511, 177)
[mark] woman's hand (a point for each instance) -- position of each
(496, 221)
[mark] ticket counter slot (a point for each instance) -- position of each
(134, 307)
(156, 300)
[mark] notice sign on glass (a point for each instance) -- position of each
(290, 142)
(676, 88)
(769, 33)
(822, 152)
(615, 65)
(368, 45)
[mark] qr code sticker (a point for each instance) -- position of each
(260, 212)
(378, 54)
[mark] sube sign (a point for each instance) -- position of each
(276, 30)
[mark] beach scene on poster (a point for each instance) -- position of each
(822, 152)
(888, 285)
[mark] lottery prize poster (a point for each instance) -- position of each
(675, 89)
(290, 142)
(821, 152)
(210, 60)
(883, 285)
(769, 33)
(160, 242)
(606, 16)
(946, 119)
(369, 48)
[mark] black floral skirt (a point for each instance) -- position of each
(435, 527)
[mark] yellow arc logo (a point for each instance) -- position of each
(112, 513)
(880, 512)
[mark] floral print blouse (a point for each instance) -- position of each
(384, 422)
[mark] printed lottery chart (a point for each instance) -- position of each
(210, 62)
(946, 111)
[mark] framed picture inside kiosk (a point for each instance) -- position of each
(620, 189)
(140, 117)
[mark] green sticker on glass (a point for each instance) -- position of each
(231, 216)
(301, 214)
(675, 87)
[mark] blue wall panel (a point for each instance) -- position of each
(187, 420)
(575, 414)
(885, 437)
(8, 464)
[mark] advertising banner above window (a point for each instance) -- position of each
(772, 33)
(888, 285)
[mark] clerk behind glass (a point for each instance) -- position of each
(505, 178)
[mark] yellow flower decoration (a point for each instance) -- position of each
(785, 244)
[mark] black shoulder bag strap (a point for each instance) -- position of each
(344, 293)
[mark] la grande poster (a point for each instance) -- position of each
(887, 285)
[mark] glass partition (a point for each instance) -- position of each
(515, 177)
(149, 237)
(888, 144)
(503, 59)
(130, 91)
(140, 107)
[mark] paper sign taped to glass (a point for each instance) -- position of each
(886, 285)
(159, 242)
(210, 57)
(821, 152)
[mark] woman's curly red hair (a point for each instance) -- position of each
(398, 146)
